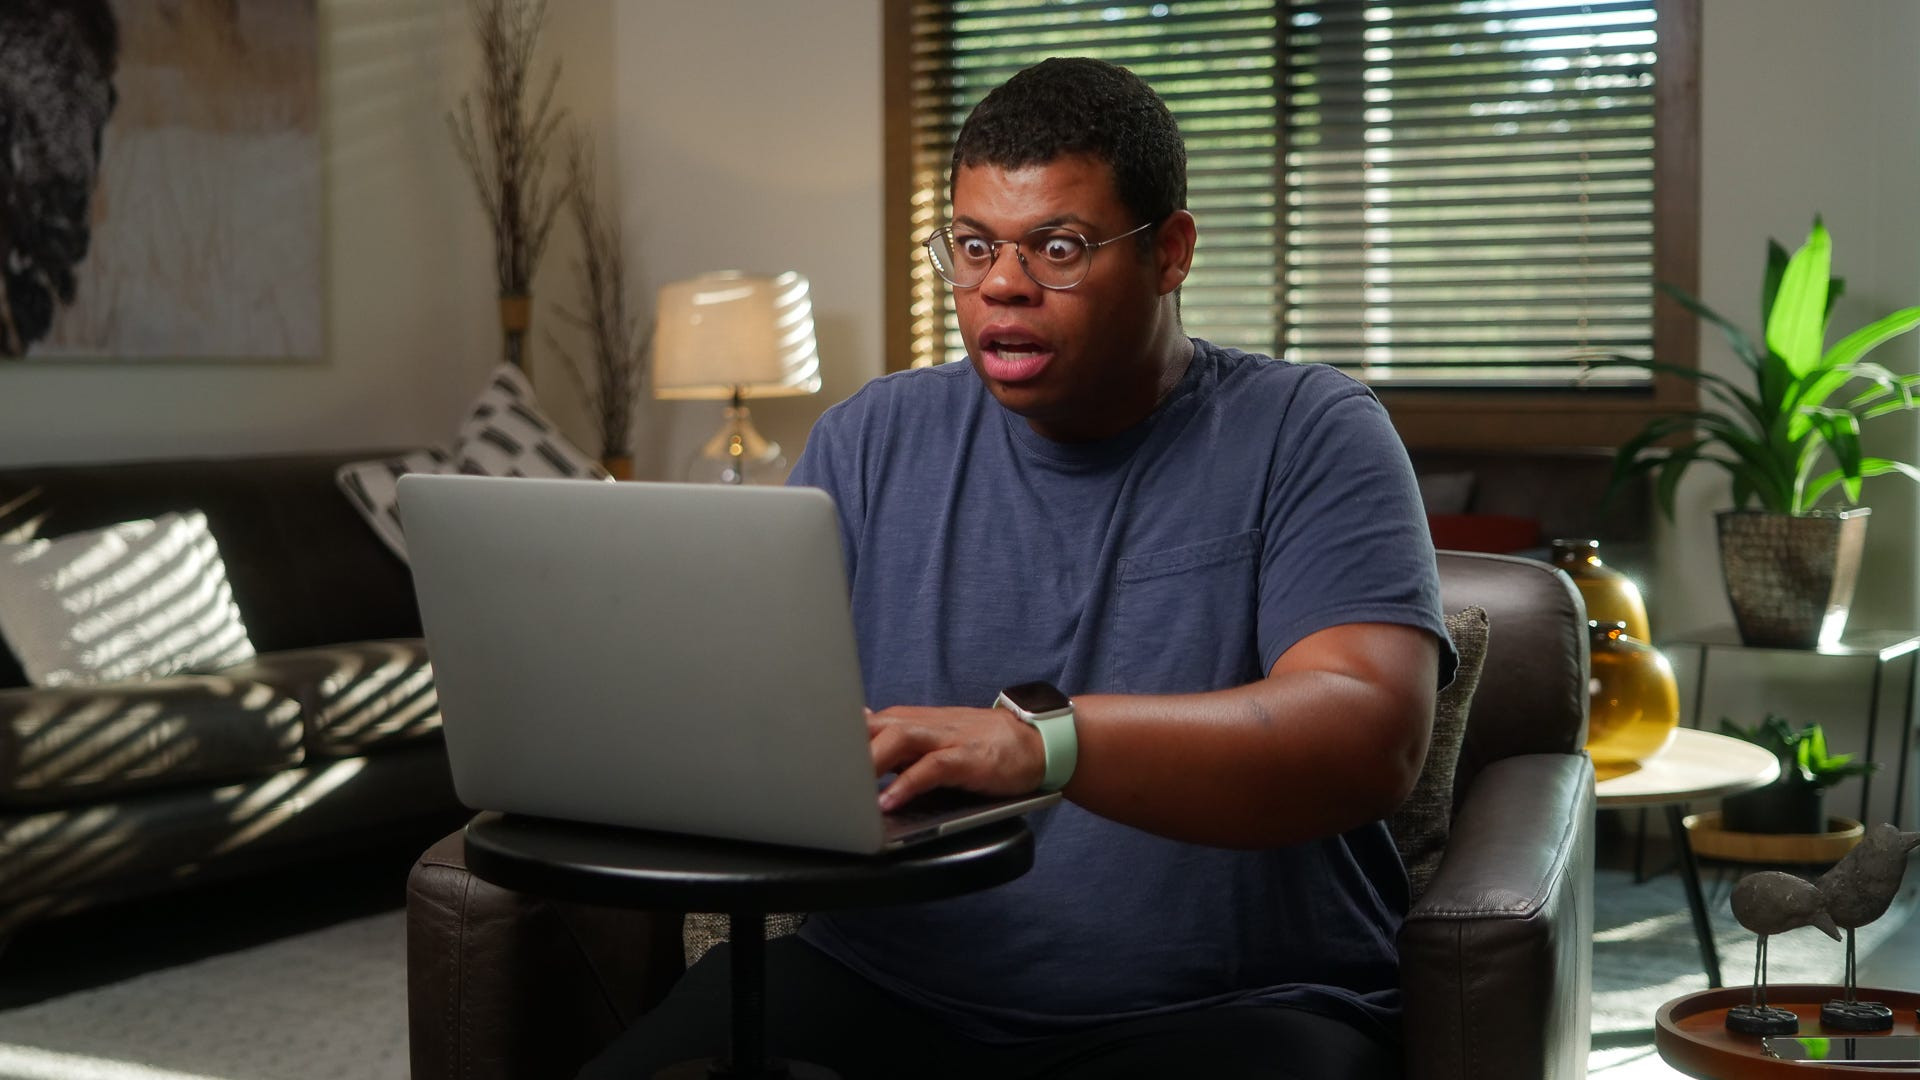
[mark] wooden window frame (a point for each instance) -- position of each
(1466, 418)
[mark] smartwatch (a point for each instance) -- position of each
(1051, 714)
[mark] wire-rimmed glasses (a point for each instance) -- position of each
(1053, 256)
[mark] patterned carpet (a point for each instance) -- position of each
(330, 1004)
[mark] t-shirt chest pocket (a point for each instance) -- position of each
(1185, 616)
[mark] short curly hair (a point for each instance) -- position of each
(1076, 105)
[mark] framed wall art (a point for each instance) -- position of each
(160, 180)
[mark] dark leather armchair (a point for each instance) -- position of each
(1496, 955)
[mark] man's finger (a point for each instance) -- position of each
(922, 776)
(891, 748)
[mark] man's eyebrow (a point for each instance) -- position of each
(1056, 220)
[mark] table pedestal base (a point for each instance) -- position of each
(746, 928)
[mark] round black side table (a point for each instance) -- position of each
(598, 864)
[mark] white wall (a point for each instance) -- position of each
(747, 135)
(750, 139)
(407, 301)
(1807, 108)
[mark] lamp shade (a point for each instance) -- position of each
(727, 332)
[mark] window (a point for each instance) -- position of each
(1460, 201)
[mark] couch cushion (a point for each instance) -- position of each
(69, 744)
(305, 569)
(353, 697)
(133, 600)
(1421, 825)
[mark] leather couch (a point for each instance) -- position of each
(1496, 954)
(328, 738)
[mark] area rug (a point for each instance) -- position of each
(330, 1004)
(1645, 954)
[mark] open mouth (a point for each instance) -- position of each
(1014, 357)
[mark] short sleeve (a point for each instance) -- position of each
(831, 462)
(1345, 537)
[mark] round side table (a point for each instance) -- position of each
(1696, 765)
(598, 864)
(1691, 1033)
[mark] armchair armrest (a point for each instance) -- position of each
(506, 986)
(1496, 958)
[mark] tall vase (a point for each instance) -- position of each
(516, 316)
(1633, 705)
(1610, 596)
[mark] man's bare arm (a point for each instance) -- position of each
(1332, 738)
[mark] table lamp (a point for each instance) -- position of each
(729, 336)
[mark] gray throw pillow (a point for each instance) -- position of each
(1421, 824)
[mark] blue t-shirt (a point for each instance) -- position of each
(1261, 502)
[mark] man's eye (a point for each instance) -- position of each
(972, 248)
(1060, 248)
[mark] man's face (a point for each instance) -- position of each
(1081, 363)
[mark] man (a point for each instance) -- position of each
(1219, 557)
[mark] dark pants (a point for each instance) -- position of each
(819, 1011)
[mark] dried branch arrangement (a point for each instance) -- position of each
(618, 346)
(505, 142)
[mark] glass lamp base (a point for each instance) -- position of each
(738, 454)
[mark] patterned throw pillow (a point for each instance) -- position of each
(505, 434)
(141, 599)
(1421, 825)
(372, 486)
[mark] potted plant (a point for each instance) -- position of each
(506, 142)
(1787, 440)
(1796, 802)
(610, 379)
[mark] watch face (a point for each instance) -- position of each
(1038, 697)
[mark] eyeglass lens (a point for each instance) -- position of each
(1054, 258)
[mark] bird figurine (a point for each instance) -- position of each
(1858, 890)
(1768, 903)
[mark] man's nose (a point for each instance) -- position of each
(1007, 281)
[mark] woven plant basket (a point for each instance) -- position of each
(1790, 579)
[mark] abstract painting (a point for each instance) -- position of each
(160, 180)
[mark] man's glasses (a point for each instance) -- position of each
(1054, 257)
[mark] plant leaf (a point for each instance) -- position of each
(1770, 286)
(1743, 346)
(1797, 322)
(1872, 466)
(1864, 340)
(1840, 431)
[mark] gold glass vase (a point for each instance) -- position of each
(1610, 596)
(1634, 703)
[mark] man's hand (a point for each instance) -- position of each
(989, 751)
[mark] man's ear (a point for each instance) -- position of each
(1173, 250)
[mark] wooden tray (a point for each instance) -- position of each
(1691, 1034)
(1711, 841)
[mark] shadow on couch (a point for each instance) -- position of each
(328, 738)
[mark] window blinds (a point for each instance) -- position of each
(1449, 192)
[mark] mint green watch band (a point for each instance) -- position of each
(1062, 744)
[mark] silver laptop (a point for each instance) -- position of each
(677, 657)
